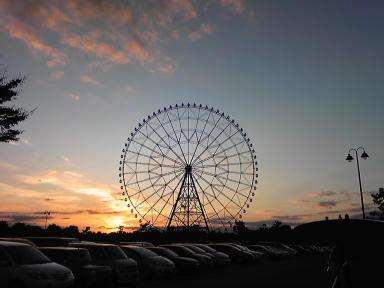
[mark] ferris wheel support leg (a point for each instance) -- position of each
(201, 206)
(177, 201)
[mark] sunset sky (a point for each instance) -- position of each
(304, 79)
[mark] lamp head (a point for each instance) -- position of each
(349, 158)
(364, 155)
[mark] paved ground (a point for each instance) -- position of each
(304, 272)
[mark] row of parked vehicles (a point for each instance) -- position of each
(67, 262)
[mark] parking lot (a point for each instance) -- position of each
(305, 271)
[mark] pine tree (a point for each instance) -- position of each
(10, 116)
(378, 199)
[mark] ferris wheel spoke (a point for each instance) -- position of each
(151, 164)
(162, 193)
(206, 137)
(236, 191)
(156, 191)
(221, 152)
(214, 187)
(157, 145)
(201, 135)
(174, 132)
(224, 178)
(161, 138)
(208, 145)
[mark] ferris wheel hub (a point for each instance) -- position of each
(188, 169)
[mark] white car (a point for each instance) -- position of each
(23, 266)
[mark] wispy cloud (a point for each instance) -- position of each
(327, 203)
(74, 96)
(112, 32)
(205, 28)
(57, 74)
(238, 6)
(20, 31)
(89, 80)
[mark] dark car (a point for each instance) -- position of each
(236, 255)
(80, 262)
(124, 270)
(220, 257)
(150, 264)
(204, 260)
(281, 246)
(141, 244)
(200, 251)
(23, 265)
(52, 241)
(256, 255)
(183, 265)
(271, 252)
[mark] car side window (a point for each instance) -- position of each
(4, 261)
(97, 254)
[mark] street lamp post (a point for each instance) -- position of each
(46, 213)
(349, 158)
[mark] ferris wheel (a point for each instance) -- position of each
(188, 165)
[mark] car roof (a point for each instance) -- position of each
(17, 239)
(63, 248)
(10, 243)
(82, 244)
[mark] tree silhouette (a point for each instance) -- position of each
(378, 199)
(10, 116)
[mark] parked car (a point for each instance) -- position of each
(124, 270)
(220, 257)
(150, 264)
(256, 255)
(281, 246)
(200, 251)
(52, 241)
(19, 240)
(183, 264)
(301, 249)
(204, 261)
(270, 251)
(80, 262)
(141, 244)
(236, 255)
(24, 266)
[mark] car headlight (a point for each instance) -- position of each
(38, 276)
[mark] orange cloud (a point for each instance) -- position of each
(198, 35)
(19, 30)
(74, 96)
(165, 11)
(89, 80)
(167, 68)
(236, 5)
(113, 12)
(136, 49)
(88, 44)
(57, 75)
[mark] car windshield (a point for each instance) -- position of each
(168, 253)
(115, 252)
(195, 249)
(26, 255)
(143, 252)
(183, 250)
(206, 248)
(81, 256)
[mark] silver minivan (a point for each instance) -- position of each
(22, 265)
